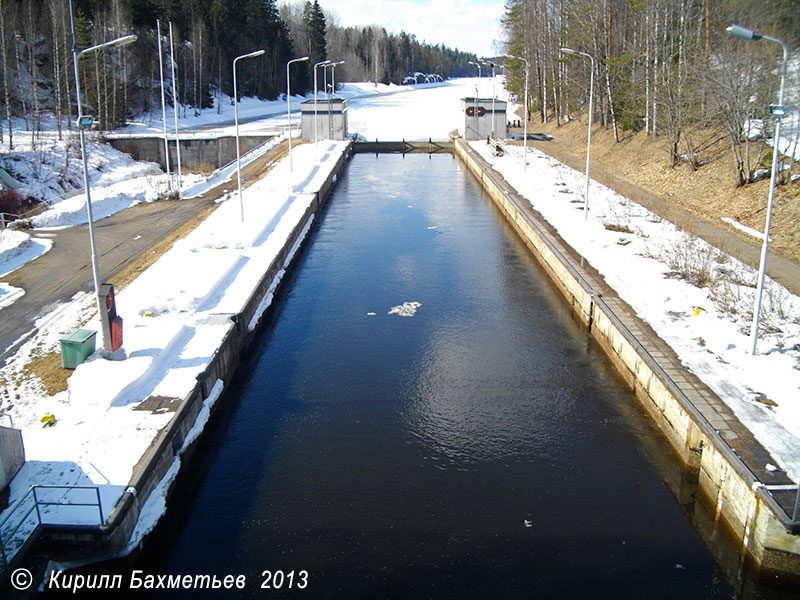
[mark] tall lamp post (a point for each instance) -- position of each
(83, 123)
(333, 75)
(477, 95)
(589, 136)
(332, 94)
(175, 107)
(525, 116)
(477, 64)
(236, 121)
(163, 104)
(289, 106)
(493, 93)
(323, 64)
(777, 112)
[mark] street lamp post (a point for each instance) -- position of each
(236, 122)
(525, 116)
(322, 64)
(493, 94)
(477, 64)
(333, 76)
(83, 123)
(749, 34)
(589, 135)
(175, 108)
(289, 106)
(163, 104)
(477, 95)
(332, 65)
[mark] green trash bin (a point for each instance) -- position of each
(76, 347)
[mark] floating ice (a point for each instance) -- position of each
(406, 309)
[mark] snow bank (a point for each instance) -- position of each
(16, 249)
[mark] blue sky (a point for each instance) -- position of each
(469, 25)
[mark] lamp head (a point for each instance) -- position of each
(742, 32)
(125, 40)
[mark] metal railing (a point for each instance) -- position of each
(498, 147)
(6, 218)
(34, 509)
(429, 146)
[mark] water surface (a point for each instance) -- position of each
(481, 447)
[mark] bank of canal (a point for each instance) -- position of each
(481, 446)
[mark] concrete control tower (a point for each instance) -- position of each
(331, 117)
(478, 118)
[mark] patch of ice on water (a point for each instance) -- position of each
(406, 309)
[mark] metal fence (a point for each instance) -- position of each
(6, 218)
(47, 505)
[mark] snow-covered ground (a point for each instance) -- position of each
(171, 334)
(16, 249)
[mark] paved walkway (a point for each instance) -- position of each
(780, 268)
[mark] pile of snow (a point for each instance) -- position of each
(759, 235)
(46, 168)
(11, 244)
(16, 249)
(418, 77)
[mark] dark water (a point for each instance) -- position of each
(481, 448)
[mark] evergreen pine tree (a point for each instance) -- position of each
(315, 25)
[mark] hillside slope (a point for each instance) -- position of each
(639, 164)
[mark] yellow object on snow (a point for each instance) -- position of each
(698, 310)
(48, 420)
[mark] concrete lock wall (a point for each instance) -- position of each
(12, 457)
(478, 116)
(726, 483)
(330, 116)
(195, 153)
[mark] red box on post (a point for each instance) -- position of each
(116, 333)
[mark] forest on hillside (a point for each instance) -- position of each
(668, 67)
(37, 69)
